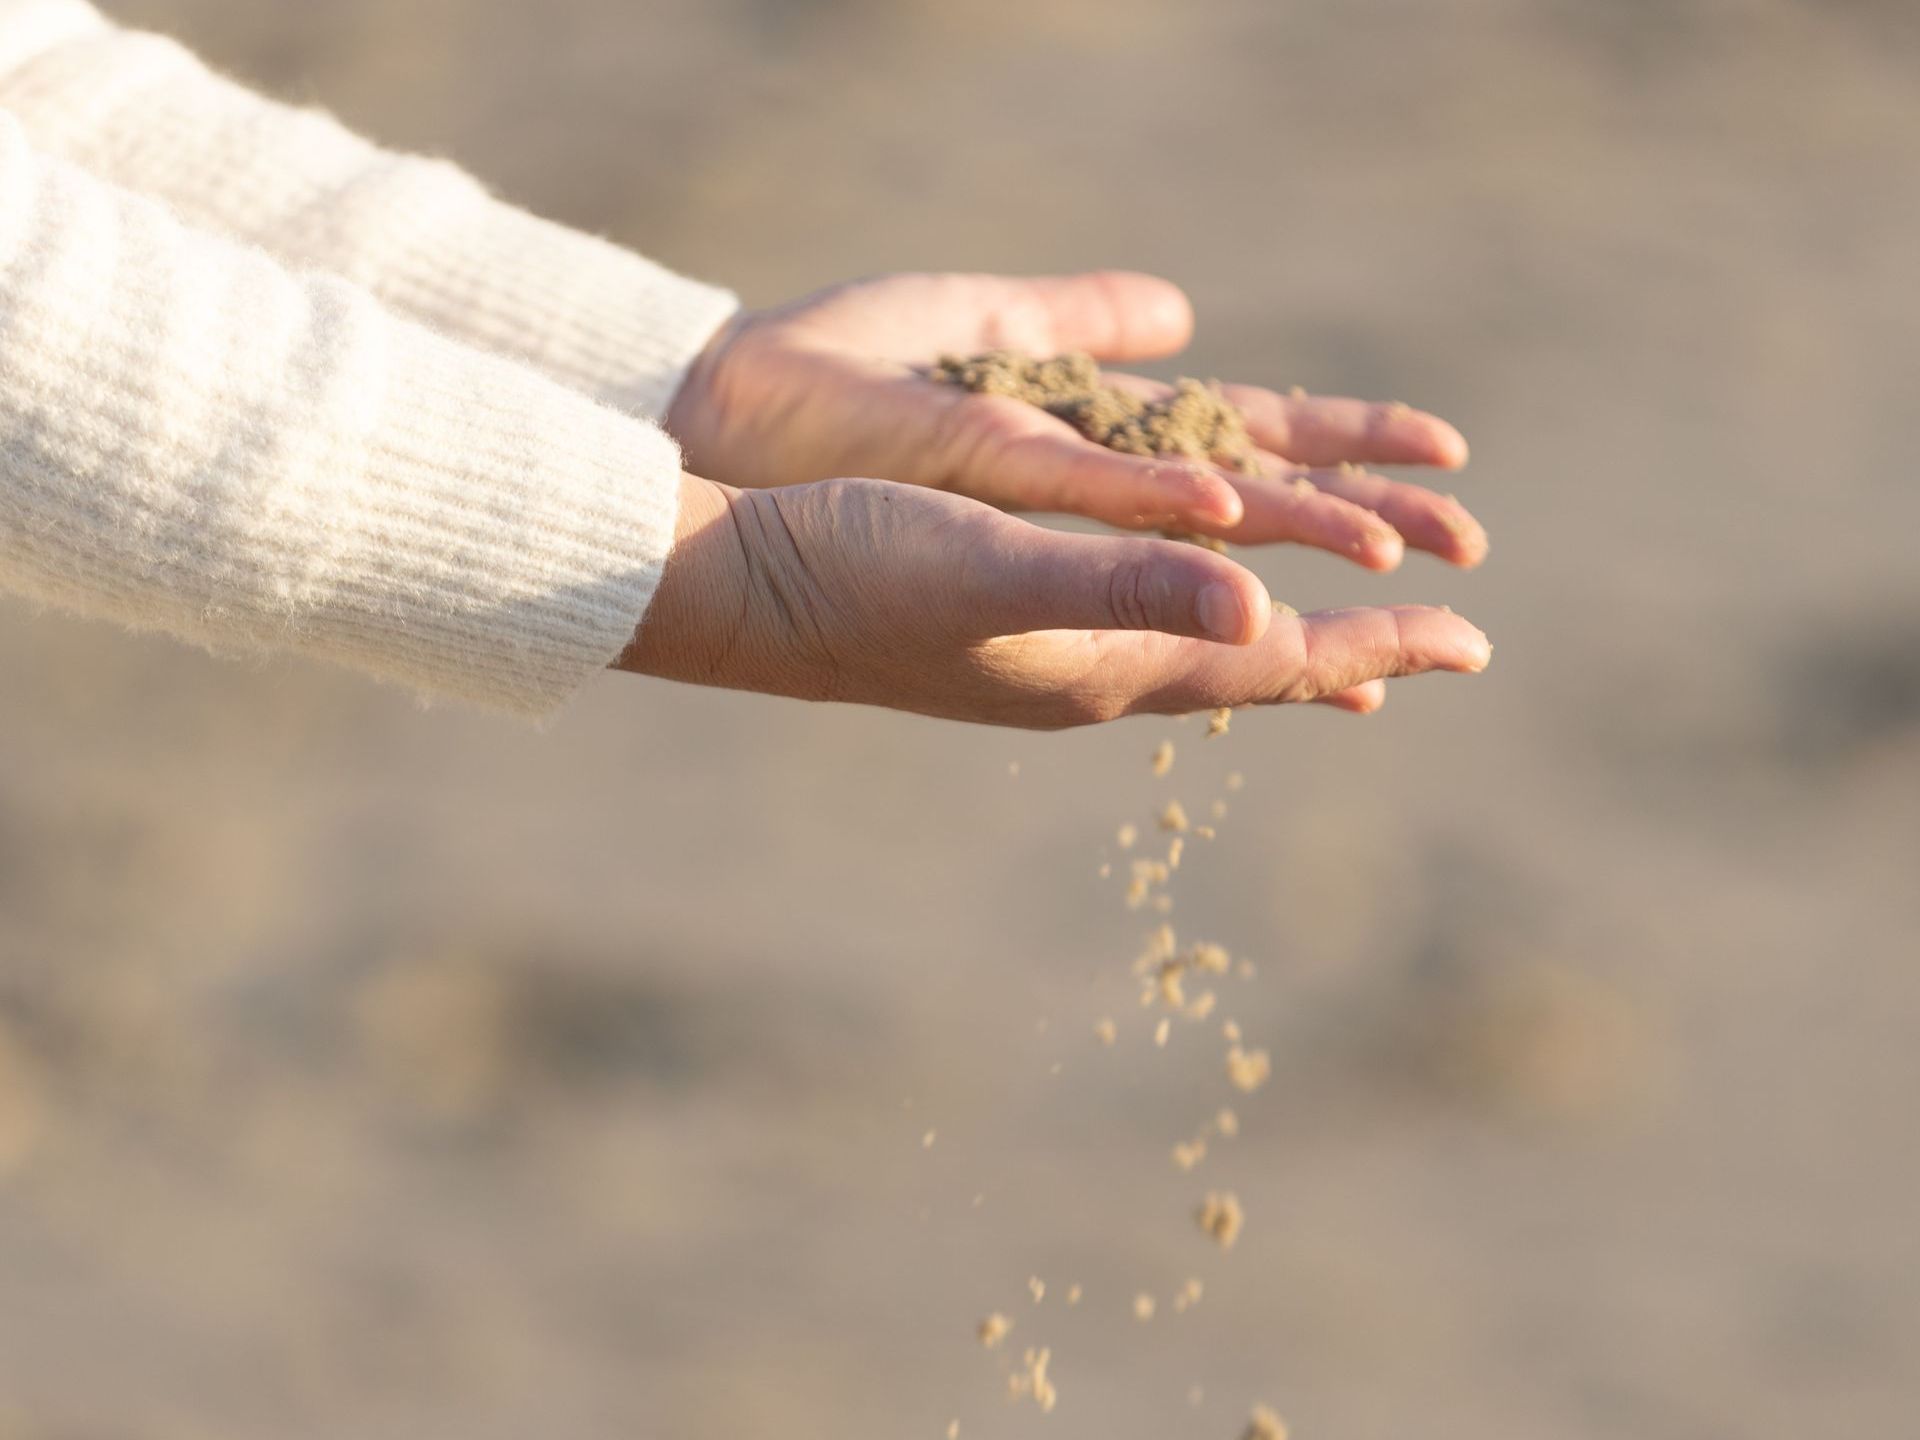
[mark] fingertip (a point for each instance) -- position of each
(1469, 537)
(1234, 608)
(1446, 640)
(1260, 609)
(1471, 555)
(1468, 651)
(1479, 651)
(1198, 496)
(1381, 549)
(1218, 502)
(1165, 311)
(1450, 449)
(1139, 316)
(1364, 699)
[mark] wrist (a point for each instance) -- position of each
(694, 416)
(700, 599)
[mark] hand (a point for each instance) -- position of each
(881, 594)
(828, 386)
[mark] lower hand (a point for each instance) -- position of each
(831, 386)
(883, 594)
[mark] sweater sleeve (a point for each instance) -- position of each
(140, 111)
(196, 440)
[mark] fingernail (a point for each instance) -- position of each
(1221, 614)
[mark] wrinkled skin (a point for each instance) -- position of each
(885, 594)
(920, 593)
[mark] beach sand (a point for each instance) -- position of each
(391, 1073)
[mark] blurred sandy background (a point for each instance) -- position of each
(379, 1073)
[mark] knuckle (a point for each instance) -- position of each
(1052, 722)
(1073, 711)
(1099, 707)
(1305, 678)
(1130, 597)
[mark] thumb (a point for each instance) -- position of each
(1043, 580)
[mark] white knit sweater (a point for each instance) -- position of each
(290, 397)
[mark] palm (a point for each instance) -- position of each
(831, 385)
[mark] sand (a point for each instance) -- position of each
(1559, 224)
(1194, 420)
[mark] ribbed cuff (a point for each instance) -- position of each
(503, 538)
(602, 319)
(143, 112)
(195, 440)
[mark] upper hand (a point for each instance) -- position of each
(829, 386)
(882, 594)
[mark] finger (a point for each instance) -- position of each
(1288, 506)
(1026, 579)
(1111, 314)
(1321, 430)
(1335, 650)
(1438, 524)
(1368, 518)
(1042, 463)
(1359, 700)
(1300, 658)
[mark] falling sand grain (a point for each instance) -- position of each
(1221, 1218)
(1248, 1069)
(1033, 1379)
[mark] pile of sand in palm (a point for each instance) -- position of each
(1195, 420)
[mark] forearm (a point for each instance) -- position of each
(140, 111)
(195, 440)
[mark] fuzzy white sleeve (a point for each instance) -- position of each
(142, 112)
(195, 439)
